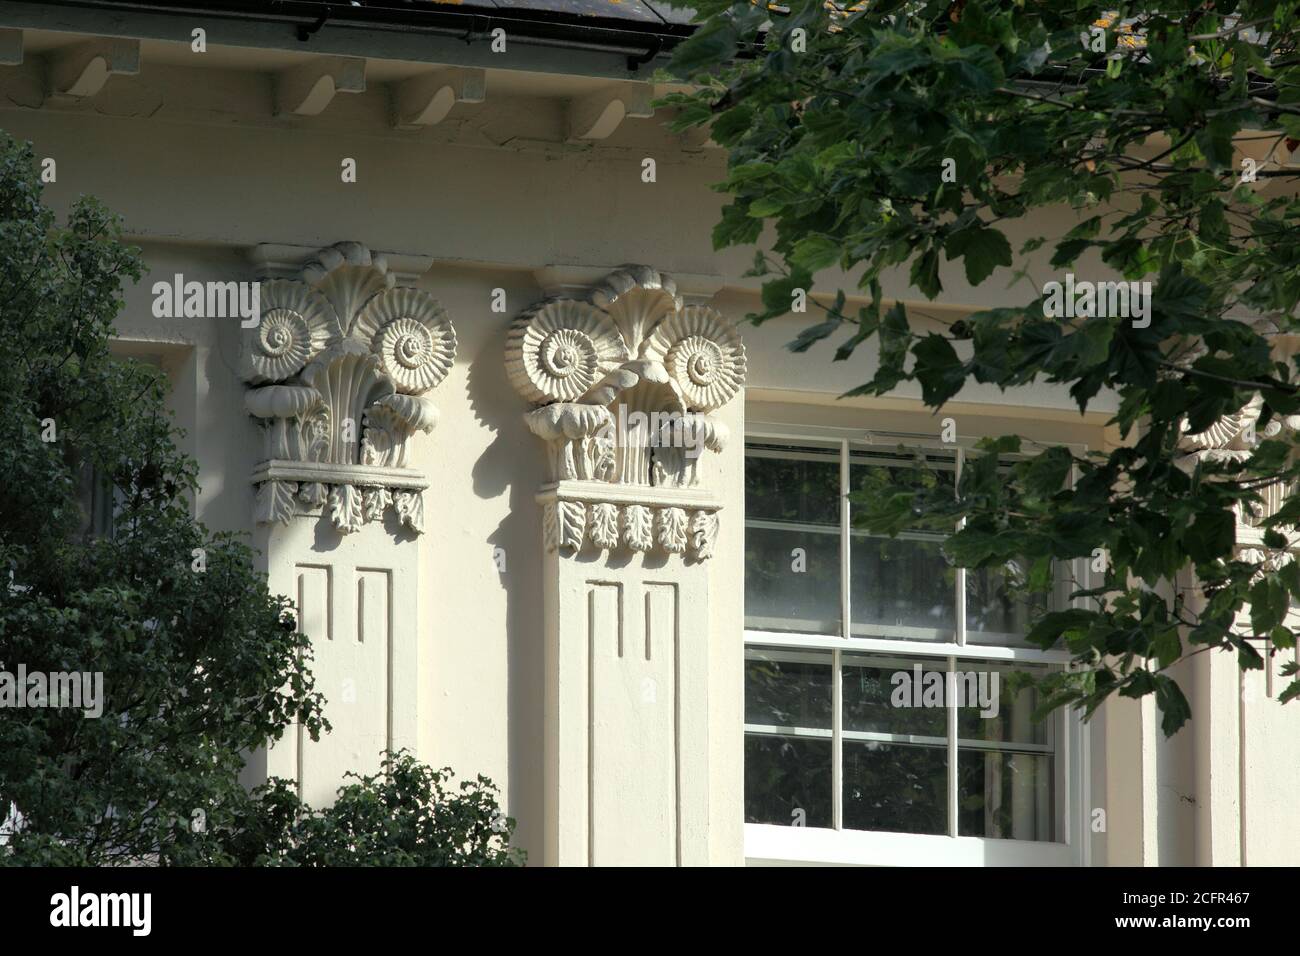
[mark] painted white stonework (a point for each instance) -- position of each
(628, 528)
(629, 348)
(353, 594)
(341, 359)
(340, 363)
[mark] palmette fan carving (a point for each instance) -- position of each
(412, 336)
(703, 355)
(622, 376)
(637, 298)
(296, 323)
(559, 349)
(343, 357)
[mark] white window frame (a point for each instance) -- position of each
(779, 844)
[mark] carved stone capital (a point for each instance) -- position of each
(625, 377)
(340, 362)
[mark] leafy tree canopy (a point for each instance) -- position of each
(197, 666)
(890, 137)
(196, 663)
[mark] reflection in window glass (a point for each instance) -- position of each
(786, 775)
(788, 772)
(797, 483)
(894, 750)
(869, 691)
(901, 588)
(897, 788)
(792, 538)
(1005, 795)
(1005, 763)
(788, 693)
(904, 586)
(895, 758)
(998, 609)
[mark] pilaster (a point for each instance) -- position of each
(625, 378)
(340, 364)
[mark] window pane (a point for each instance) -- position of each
(799, 483)
(788, 693)
(1010, 717)
(100, 501)
(897, 781)
(998, 609)
(870, 692)
(784, 775)
(894, 471)
(897, 787)
(1006, 763)
(1005, 795)
(792, 538)
(900, 587)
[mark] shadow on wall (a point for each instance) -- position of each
(513, 465)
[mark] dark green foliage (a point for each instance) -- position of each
(401, 816)
(199, 667)
(840, 147)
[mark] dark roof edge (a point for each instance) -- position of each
(617, 48)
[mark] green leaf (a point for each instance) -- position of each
(895, 56)
(938, 369)
(736, 227)
(778, 294)
(983, 249)
(814, 253)
(1210, 536)
(1268, 605)
(1166, 646)
(1174, 709)
(925, 274)
(1051, 627)
(711, 44)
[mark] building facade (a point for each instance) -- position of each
(550, 511)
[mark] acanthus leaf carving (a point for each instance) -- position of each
(275, 502)
(345, 508)
(569, 520)
(637, 528)
(604, 525)
(374, 501)
(670, 529)
(313, 494)
(704, 533)
(410, 509)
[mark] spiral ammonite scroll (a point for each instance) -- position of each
(703, 354)
(414, 339)
(296, 323)
(558, 350)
